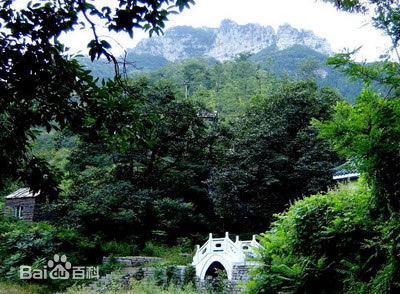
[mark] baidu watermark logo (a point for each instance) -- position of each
(59, 268)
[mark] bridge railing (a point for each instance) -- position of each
(237, 251)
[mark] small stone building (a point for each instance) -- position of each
(23, 204)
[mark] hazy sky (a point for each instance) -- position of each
(342, 30)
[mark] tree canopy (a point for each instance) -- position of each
(40, 84)
(346, 241)
(367, 131)
(274, 156)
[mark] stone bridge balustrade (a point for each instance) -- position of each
(223, 251)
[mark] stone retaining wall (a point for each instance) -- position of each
(133, 261)
(133, 269)
(241, 272)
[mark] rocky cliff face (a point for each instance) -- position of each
(288, 36)
(227, 41)
(178, 43)
(232, 39)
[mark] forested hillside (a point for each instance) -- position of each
(288, 51)
(297, 62)
(153, 162)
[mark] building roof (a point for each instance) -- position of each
(345, 171)
(208, 115)
(22, 193)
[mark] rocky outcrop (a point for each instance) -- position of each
(233, 39)
(288, 36)
(179, 43)
(227, 41)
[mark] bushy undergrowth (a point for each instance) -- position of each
(176, 255)
(27, 243)
(328, 243)
(119, 248)
(139, 287)
(12, 288)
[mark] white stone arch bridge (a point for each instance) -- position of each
(223, 252)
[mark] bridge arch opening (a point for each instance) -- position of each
(215, 270)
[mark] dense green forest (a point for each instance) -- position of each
(296, 62)
(150, 163)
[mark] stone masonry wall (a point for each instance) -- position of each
(133, 269)
(31, 211)
(241, 273)
(133, 261)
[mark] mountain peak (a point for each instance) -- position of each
(227, 41)
(227, 23)
(289, 36)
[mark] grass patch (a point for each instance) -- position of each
(177, 255)
(138, 287)
(12, 288)
(119, 249)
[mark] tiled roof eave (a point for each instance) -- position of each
(346, 176)
(22, 193)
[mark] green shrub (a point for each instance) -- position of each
(171, 255)
(11, 288)
(119, 248)
(327, 243)
(189, 276)
(164, 276)
(138, 287)
(160, 277)
(172, 275)
(218, 284)
(27, 243)
(110, 266)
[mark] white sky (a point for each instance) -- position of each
(342, 30)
